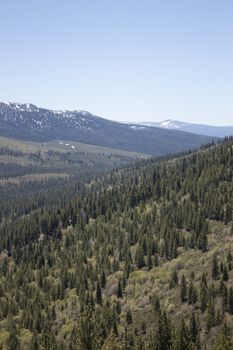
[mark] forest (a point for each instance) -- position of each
(136, 256)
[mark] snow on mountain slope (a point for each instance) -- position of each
(201, 129)
(28, 122)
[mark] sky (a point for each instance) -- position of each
(126, 60)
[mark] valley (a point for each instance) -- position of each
(26, 160)
(141, 258)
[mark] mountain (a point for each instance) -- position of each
(29, 122)
(138, 259)
(200, 129)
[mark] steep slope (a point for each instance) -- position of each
(28, 122)
(201, 129)
(139, 259)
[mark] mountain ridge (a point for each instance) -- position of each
(29, 122)
(196, 128)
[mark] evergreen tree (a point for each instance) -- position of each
(193, 328)
(182, 338)
(203, 297)
(225, 274)
(183, 289)
(139, 257)
(87, 331)
(192, 294)
(103, 280)
(119, 290)
(160, 334)
(149, 263)
(173, 280)
(230, 301)
(129, 317)
(211, 317)
(215, 269)
(98, 294)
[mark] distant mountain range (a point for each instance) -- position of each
(29, 122)
(201, 129)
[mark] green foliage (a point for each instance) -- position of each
(183, 289)
(13, 342)
(115, 263)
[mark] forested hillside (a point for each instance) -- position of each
(31, 161)
(140, 258)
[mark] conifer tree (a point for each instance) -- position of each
(225, 274)
(173, 280)
(192, 294)
(103, 280)
(193, 328)
(149, 263)
(119, 290)
(139, 257)
(129, 317)
(230, 301)
(183, 289)
(182, 339)
(211, 317)
(98, 294)
(215, 269)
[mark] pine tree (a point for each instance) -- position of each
(230, 301)
(210, 322)
(103, 280)
(139, 257)
(204, 280)
(129, 317)
(183, 338)
(203, 296)
(98, 294)
(118, 307)
(192, 294)
(225, 274)
(119, 290)
(202, 241)
(160, 333)
(229, 258)
(183, 290)
(87, 331)
(165, 339)
(173, 280)
(193, 328)
(215, 269)
(149, 263)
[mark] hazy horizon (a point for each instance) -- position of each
(127, 61)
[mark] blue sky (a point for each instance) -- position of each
(122, 59)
